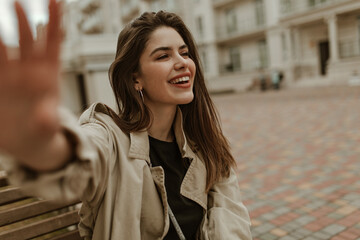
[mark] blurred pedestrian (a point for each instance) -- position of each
(281, 78)
(275, 78)
(160, 168)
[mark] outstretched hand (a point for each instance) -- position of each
(29, 87)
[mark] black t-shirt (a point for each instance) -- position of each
(188, 213)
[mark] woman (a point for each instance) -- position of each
(160, 168)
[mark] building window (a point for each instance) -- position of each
(313, 3)
(286, 6)
(231, 20)
(235, 59)
(259, 11)
(199, 26)
(263, 54)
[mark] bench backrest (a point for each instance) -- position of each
(24, 217)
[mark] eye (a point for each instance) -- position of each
(186, 54)
(162, 56)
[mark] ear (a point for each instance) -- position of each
(137, 81)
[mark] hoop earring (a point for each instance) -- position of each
(141, 95)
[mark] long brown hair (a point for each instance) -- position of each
(201, 122)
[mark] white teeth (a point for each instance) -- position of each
(182, 79)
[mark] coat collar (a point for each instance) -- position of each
(139, 141)
(194, 182)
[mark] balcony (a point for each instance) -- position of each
(349, 49)
(249, 64)
(93, 24)
(88, 6)
(222, 3)
(245, 28)
(289, 7)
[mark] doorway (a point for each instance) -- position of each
(324, 56)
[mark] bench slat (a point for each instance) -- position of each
(32, 209)
(9, 195)
(72, 235)
(41, 227)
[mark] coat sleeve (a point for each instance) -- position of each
(84, 177)
(227, 217)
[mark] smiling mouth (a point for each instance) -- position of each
(181, 80)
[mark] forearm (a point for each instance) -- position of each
(73, 165)
(53, 155)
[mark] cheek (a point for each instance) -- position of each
(154, 74)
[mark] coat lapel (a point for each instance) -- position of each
(194, 183)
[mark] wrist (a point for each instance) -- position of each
(52, 156)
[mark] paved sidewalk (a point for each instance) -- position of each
(298, 154)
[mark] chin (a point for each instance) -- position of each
(186, 100)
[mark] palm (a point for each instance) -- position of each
(29, 86)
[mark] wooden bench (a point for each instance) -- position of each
(25, 217)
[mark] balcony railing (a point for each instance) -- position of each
(288, 7)
(349, 49)
(250, 64)
(243, 27)
(219, 3)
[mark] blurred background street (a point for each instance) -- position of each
(298, 153)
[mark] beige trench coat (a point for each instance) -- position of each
(123, 196)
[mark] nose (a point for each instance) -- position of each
(180, 62)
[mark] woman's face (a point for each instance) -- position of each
(166, 71)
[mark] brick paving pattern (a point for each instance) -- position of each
(298, 155)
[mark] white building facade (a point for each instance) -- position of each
(324, 39)
(312, 42)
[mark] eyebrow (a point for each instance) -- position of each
(166, 49)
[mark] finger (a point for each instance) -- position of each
(26, 38)
(54, 34)
(3, 54)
